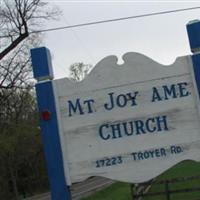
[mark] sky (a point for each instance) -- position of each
(162, 38)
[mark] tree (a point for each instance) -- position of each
(18, 18)
(79, 70)
(20, 145)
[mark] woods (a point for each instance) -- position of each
(21, 153)
(22, 167)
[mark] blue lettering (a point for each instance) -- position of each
(156, 96)
(121, 100)
(139, 127)
(106, 105)
(182, 89)
(126, 128)
(163, 152)
(116, 132)
(133, 97)
(176, 149)
(103, 135)
(162, 123)
(169, 91)
(140, 156)
(74, 108)
(89, 103)
(148, 154)
(149, 126)
(134, 156)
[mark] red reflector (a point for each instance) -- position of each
(46, 115)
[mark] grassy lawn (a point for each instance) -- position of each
(117, 191)
(121, 191)
(184, 169)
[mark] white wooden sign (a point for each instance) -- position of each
(128, 122)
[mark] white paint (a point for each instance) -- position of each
(81, 143)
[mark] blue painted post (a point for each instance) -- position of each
(43, 73)
(193, 29)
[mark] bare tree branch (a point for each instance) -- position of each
(17, 17)
(13, 44)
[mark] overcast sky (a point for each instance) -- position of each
(162, 38)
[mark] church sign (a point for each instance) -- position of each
(128, 122)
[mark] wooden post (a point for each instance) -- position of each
(43, 73)
(167, 190)
(132, 191)
(193, 29)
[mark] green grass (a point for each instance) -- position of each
(121, 191)
(184, 169)
(117, 191)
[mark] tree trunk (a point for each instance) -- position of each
(14, 181)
